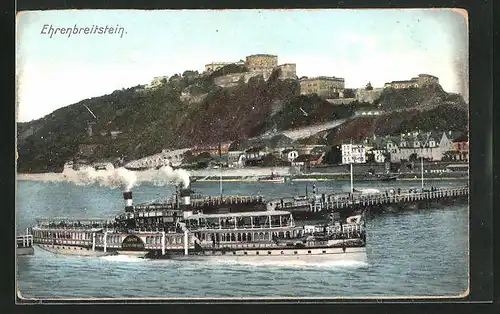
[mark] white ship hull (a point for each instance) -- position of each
(72, 250)
(25, 251)
(307, 255)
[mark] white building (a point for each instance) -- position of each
(166, 157)
(289, 155)
(353, 153)
(236, 158)
(431, 146)
(379, 155)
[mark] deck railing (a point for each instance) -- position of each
(24, 240)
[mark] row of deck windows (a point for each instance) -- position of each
(62, 235)
(246, 236)
(268, 252)
(255, 222)
(168, 240)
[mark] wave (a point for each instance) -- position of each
(123, 258)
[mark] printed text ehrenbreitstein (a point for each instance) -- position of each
(76, 30)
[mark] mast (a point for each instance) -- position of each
(352, 187)
(422, 159)
(220, 166)
(422, 169)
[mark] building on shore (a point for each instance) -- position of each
(415, 82)
(428, 145)
(324, 86)
(460, 148)
(213, 150)
(236, 158)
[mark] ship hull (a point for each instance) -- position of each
(274, 180)
(25, 251)
(306, 255)
(73, 250)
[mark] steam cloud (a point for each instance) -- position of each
(126, 179)
(180, 176)
(115, 178)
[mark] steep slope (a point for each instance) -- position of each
(149, 120)
(440, 118)
(424, 98)
(154, 119)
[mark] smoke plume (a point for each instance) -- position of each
(180, 176)
(126, 179)
(115, 178)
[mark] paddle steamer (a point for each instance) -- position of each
(180, 229)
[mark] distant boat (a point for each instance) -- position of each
(384, 177)
(389, 178)
(273, 178)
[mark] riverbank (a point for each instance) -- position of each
(251, 176)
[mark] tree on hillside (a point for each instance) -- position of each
(370, 157)
(333, 156)
(190, 74)
(369, 86)
(229, 69)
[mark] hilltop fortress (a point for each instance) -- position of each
(330, 88)
(257, 65)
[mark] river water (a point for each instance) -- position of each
(414, 253)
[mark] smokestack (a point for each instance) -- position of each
(127, 196)
(185, 195)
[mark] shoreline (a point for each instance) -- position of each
(252, 177)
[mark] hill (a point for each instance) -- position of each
(423, 98)
(149, 120)
(428, 108)
(189, 109)
(440, 118)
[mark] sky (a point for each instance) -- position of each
(360, 46)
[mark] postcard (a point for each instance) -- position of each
(242, 154)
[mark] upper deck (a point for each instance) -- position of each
(199, 201)
(244, 220)
(75, 223)
(226, 200)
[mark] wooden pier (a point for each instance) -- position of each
(385, 201)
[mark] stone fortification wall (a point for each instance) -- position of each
(235, 78)
(363, 95)
(261, 61)
(229, 80)
(288, 71)
(426, 79)
(341, 101)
